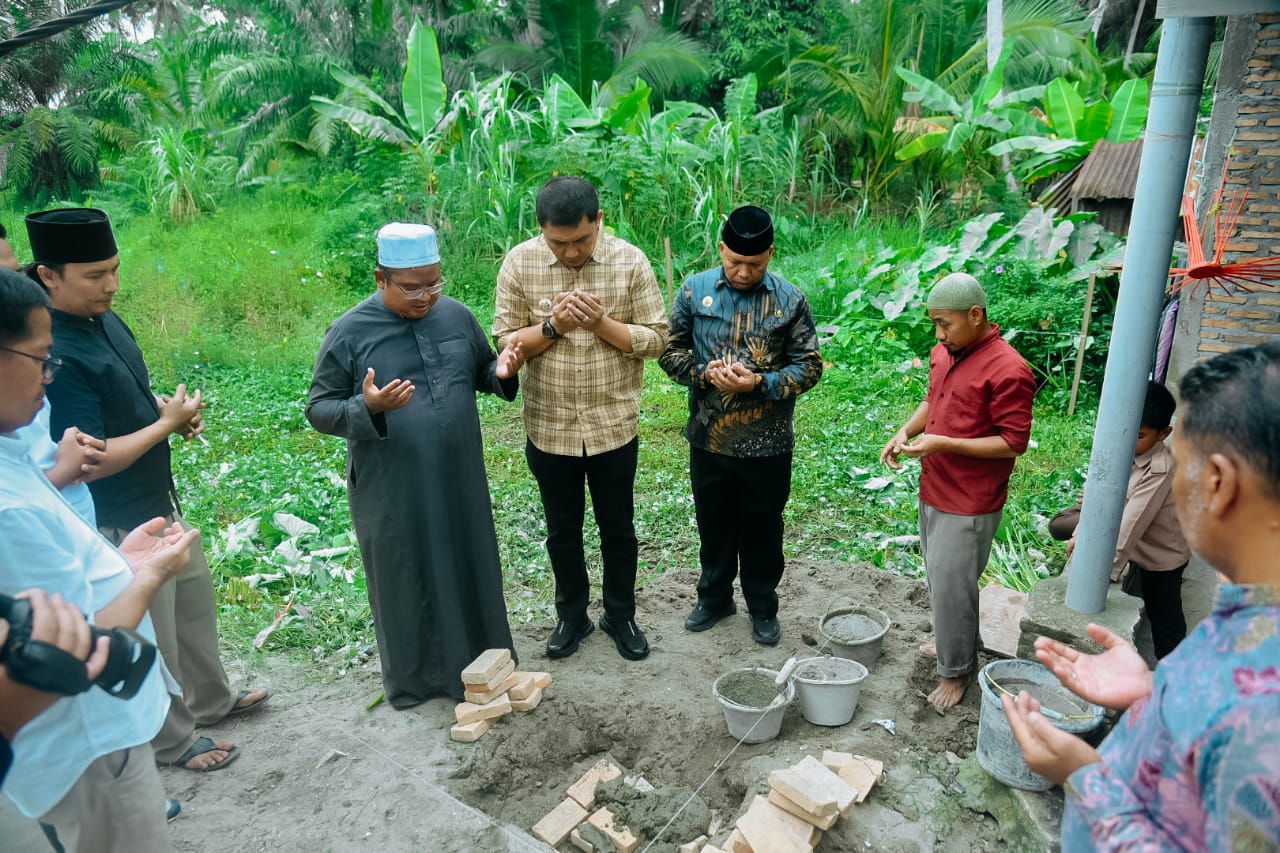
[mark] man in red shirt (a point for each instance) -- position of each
(972, 424)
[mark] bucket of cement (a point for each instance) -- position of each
(753, 704)
(855, 633)
(998, 750)
(828, 688)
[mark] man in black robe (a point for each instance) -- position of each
(415, 465)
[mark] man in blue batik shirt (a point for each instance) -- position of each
(742, 339)
(1194, 763)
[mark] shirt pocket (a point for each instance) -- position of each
(458, 362)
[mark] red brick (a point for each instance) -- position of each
(1219, 296)
(1273, 32)
(1256, 135)
(1206, 347)
(1268, 300)
(1253, 220)
(1246, 122)
(1266, 328)
(1259, 63)
(1253, 91)
(1212, 309)
(1222, 324)
(1251, 313)
(1248, 340)
(1257, 108)
(1242, 247)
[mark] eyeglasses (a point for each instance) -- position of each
(432, 290)
(48, 366)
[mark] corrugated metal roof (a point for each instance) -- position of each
(1110, 171)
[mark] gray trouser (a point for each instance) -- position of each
(117, 804)
(955, 549)
(184, 613)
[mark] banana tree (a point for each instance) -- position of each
(415, 126)
(1069, 127)
(955, 124)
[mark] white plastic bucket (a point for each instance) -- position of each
(828, 688)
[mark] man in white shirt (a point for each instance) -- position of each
(84, 768)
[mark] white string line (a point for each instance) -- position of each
(488, 819)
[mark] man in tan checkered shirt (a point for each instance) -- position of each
(586, 309)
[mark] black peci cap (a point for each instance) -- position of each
(74, 235)
(748, 231)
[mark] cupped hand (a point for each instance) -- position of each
(926, 445)
(1116, 678)
(177, 411)
(893, 448)
(153, 547)
(565, 316)
(1047, 749)
(510, 359)
(396, 394)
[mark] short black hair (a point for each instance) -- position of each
(1157, 409)
(1234, 400)
(565, 201)
(18, 297)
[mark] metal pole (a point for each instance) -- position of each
(1166, 150)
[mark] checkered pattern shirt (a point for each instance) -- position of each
(582, 396)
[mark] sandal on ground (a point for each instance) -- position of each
(200, 747)
(237, 708)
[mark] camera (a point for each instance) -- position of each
(46, 667)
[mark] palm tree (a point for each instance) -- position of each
(590, 42)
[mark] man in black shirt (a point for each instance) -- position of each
(104, 389)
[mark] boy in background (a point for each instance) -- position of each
(1151, 542)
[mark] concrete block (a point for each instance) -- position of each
(862, 774)
(999, 615)
(504, 672)
(525, 683)
(768, 829)
(694, 846)
(833, 761)
(1047, 614)
(784, 803)
(576, 839)
(737, 843)
(556, 825)
(813, 788)
(542, 679)
(528, 703)
(584, 790)
(471, 732)
(487, 696)
(468, 712)
(483, 669)
(623, 839)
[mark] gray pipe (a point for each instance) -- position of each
(1166, 149)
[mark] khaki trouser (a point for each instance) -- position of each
(955, 548)
(117, 804)
(184, 613)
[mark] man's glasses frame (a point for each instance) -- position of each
(48, 365)
(434, 290)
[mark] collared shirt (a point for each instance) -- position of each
(986, 390)
(1194, 766)
(582, 395)
(48, 546)
(770, 330)
(1150, 534)
(104, 389)
(44, 451)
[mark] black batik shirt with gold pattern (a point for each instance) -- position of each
(770, 330)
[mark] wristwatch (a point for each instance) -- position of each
(549, 331)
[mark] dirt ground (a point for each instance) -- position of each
(319, 771)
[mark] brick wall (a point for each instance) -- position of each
(1246, 125)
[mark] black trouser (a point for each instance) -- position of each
(611, 477)
(1162, 599)
(739, 503)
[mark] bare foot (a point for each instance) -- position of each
(950, 691)
(929, 649)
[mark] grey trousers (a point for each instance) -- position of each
(117, 804)
(184, 613)
(955, 549)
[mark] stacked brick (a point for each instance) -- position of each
(1229, 322)
(494, 688)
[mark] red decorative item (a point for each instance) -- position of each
(1244, 274)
